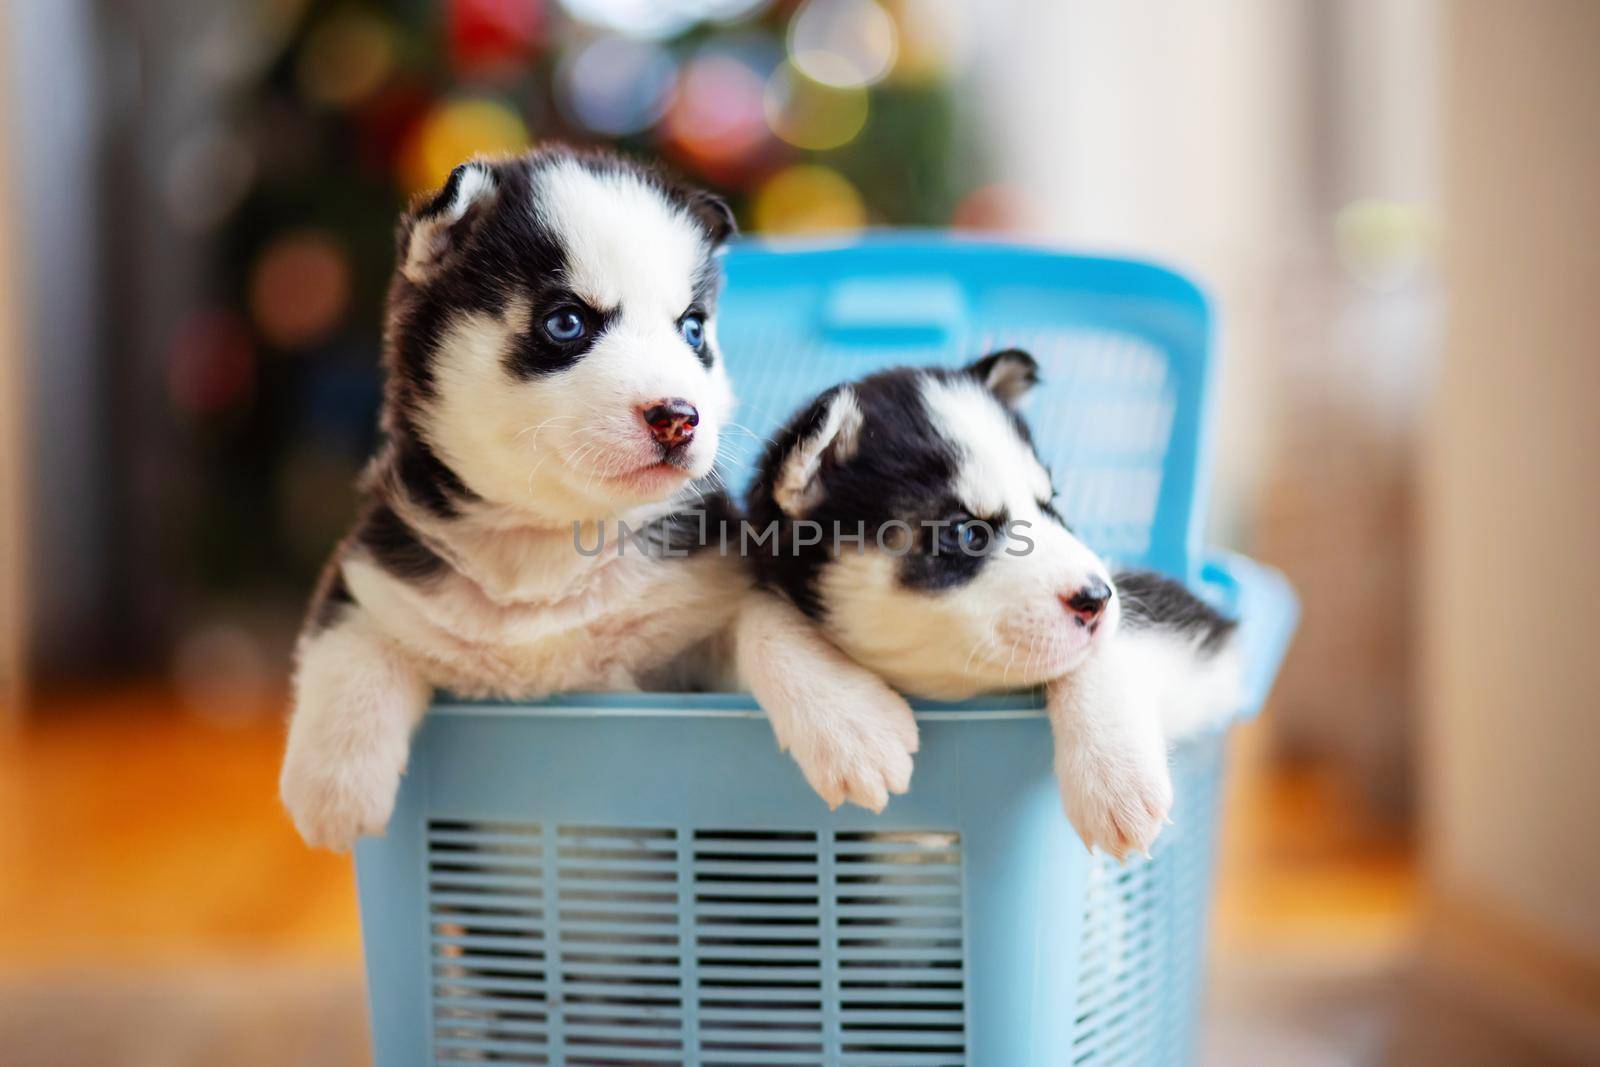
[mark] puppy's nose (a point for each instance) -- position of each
(671, 421)
(1089, 602)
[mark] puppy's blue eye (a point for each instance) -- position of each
(974, 537)
(565, 325)
(693, 328)
(967, 537)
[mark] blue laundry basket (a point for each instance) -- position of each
(644, 879)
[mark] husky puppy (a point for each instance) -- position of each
(917, 534)
(551, 368)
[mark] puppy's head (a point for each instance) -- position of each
(965, 578)
(552, 335)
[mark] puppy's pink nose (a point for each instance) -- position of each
(1089, 602)
(671, 421)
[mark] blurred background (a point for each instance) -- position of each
(1395, 204)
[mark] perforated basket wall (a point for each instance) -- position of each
(622, 944)
(715, 935)
(644, 879)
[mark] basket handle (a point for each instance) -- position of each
(1267, 609)
(899, 311)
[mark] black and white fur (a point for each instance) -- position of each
(931, 445)
(501, 430)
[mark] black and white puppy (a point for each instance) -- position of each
(916, 531)
(551, 359)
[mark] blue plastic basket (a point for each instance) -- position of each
(644, 878)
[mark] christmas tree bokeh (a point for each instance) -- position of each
(813, 116)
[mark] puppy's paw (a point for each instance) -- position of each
(862, 755)
(332, 804)
(1116, 806)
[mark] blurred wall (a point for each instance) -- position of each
(1176, 131)
(52, 61)
(13, 486)
(1513, 499)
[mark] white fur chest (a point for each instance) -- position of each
(524, 616)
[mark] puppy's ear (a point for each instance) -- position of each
(713, 212)
(439, 223)
(1009, 374)
(830, 436)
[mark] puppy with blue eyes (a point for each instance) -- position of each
(917, 538)
(550, 360)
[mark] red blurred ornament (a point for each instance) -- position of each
(386, 121)
(493, 36)
(997, 208)
(212, 363)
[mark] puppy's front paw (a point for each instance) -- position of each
(1119, 807)
(862, 755)
(332, 804)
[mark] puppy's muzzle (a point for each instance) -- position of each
(1088, 604)
(671, 422)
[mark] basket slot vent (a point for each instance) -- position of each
(1122, 959)
(1138, 970)
(902, 993)
(758, 944)
(487, 937)
(627, 945)
(617, 916)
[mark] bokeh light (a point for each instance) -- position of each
(810, 115)
(935, 39)
(1384, 244)
(846, 43)
(457, 130)
(658, 18)
(616, 85)
(211, 366)
(222, 672)
(347, 57)
(487, 36)
(716, 117)
(388, 122)
(300, 288)
(996, 208)
(208, 173)
(728, 10)
(808, 198)
(231, 45)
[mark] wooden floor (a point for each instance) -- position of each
(151, 885)
(134, 834)
(1302, 870)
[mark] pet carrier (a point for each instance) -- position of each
(645, 879)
